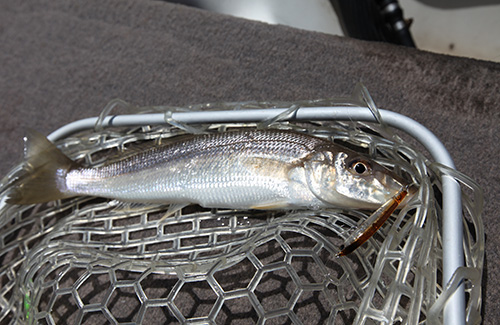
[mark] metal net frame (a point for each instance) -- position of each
(91, 260)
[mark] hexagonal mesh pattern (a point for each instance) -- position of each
(90, 260)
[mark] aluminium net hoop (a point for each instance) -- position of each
(94, 261)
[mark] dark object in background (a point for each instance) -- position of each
(374, 20)
(369, 20)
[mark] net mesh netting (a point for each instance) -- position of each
(95, 261)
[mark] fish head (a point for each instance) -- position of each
(348, 179)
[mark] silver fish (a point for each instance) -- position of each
(242, 169)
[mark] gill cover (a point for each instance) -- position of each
(322, 178)
(345, 178)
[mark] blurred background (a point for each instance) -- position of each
(457, 27)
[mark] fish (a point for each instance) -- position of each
(238, 169)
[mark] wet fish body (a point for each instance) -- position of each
(238, 169)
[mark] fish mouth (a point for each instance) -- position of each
(411, 190)
(393, 183)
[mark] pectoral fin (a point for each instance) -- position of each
(271, 205)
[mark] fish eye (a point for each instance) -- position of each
(359, 167)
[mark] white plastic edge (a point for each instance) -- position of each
(454, 312)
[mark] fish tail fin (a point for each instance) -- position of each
(47, 167)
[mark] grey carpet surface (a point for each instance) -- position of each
(64, 60)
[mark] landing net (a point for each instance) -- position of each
(91, 260)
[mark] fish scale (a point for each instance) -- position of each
(241, 169)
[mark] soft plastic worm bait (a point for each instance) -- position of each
(373, 223)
